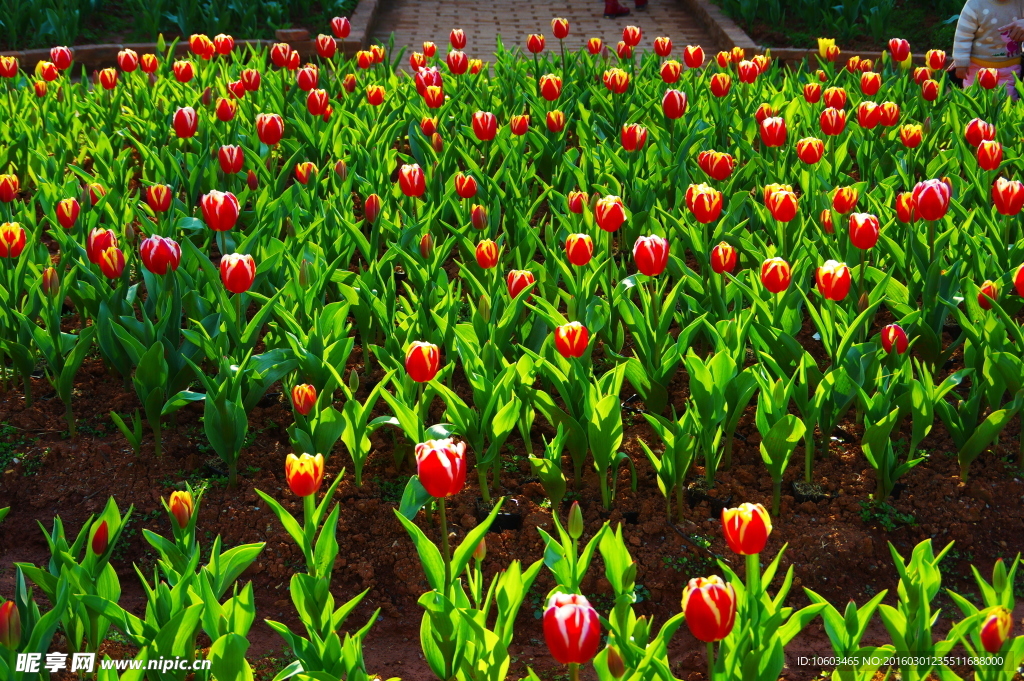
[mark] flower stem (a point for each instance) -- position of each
(445, 550)
(711, 660)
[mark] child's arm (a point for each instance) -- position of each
(966, 29)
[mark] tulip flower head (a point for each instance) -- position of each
(1008, 196)
(633, 137)
(812, 93)
(718, 165)
(723, 258)
(894, 338)
(303, 398)
(67, 212)
(457, 38)
(411, 180)
(160, 254)
(422, 361)
(555, 121)
(693, 56)
(833, 279)
(988, 293)
(616, 80)
(231, 159)
(485, 126)
(12, 240)
(810, 150)
(782, 204)
(670, 71)
(304, 171)
(931, 199)
(911, 135)
(746, 528)
(832, 121)
(572, 628)
(304, 474)
(632, 35)
(237, 272)
(465, 186)
(61, 57)
(721, 83)
(220, 210)
(1018, 280)
(775, 274)
(441, 467)
(651, 255)
(610, 213)
(100, 538)
(535, 43)
(663, 46)
(326, 46)
(579, 249)
(705, 202)
(269, 128)
(571, 339)
(181, 507)
(594, 45)
(673, 104)
(185, 122)
(710, 608)
(990, 155)
(550, 87)
(845, 199)
(773, 132)
(977, 131)
(487, 253)
(996, 629)
(128, 60)
(560, 28)
(517, 281)
(864, 229)
(905, 212)
(519, 124)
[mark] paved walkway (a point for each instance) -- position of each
(413, 21)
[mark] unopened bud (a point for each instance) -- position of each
(252, 181)
(999, 576)
(863, 302)
(478, 215)
(305, 273)
(437, 142)
(575, 521)
(207, 96)
(51, 282)
(426, 246)
(342, 170)
(484, 308)
(480, 552)
(616, 667)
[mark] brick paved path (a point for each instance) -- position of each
(414, 21)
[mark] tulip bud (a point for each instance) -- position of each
(426, 246)
(775, 275)
(517, 281)
(670, 71)
(710, 608)
(987, 294)
(10, 625)
(441, 467)
(487, 253)
(723, 258)
(693, 56)
(341, 27)
(827, 223)
(411, 180)
(436, 143)
(555, 121)
(478, 216)
(996, 629)
(571, 339)
(535, 43)
(100, 538)
(519, 124)
(894, 338)
(610, 213)
(303, 398)
(864, 230)
(251, 181)
(237, 272)
(594, 45)
(371, 208)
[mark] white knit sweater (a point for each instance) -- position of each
(977, 35)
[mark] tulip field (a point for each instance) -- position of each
(519, 362)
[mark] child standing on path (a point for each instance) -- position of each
(981, 41)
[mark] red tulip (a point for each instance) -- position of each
(61, 57)
(316, 102)
(237, 272)
(631, 35)
(579, 249)
(100, 538)
(723, 258)
(833, 121)
(411, 180)
(773, 132)
(223, 44)
(572, 628)
(905, 207)
(40, 88)
(487, 253)
(835, 98)
(894, 338)
(280, 54)
(201, 46)
(158, 197)
(417, 61)
(364, 59)
(441, 467)
(827, 223)
(1008, 196)
(718, 165)
(422, 361)
(990, 155)
(710, 608)
(870, 83)
(810, 150)
(148, 63)
(663, 46)
(623, 50)
(535, 43)
(571, 339)
(673, 104)
(775, 274)
(304, 170)
(899, 49)
(921, 74)
(936, 59)
(594, 45)
(304, 474)
(457, 61)
(160, 253)
(1018, 280)
(610, 213)
(783, 204)
(50, 282)
(128, 60)
(226, 109)
(931, 199)
(231, 159)
(307, 78)
(303, 399)
(220, 210)
(670, 71)
(465, 186)
(67, 212)
(704, 202)
(108, 79)
(977, 131)
(555, 121)
(341, 27)
(845, 199)
(485, 126)
(550, 87)
(185, 122)
(99, 240)
(987, 294)
(375, 94)
(764, 112)
(616, 80)
(930, 90)
(236, 89)
(433, 97)
(112, 262)
(250, 79)
(911, 135)
(996, 629)
(269, 128)
(183, 71)
(560, 28)
(747, 71)
(8, 66)
(868, 115)
(812, 93)
(833, 279)
(96, 192)
(478, 216)
(519, 124)
(746, 527)
(517, 281)
(651, 255)
(457, 38)
(863, 230)
(576, 201)
(326, 46)
(633, 137)
(693, 56)
(720, 84)
(10, 625)
(988, 78)
(889, 114)
(12, 240)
